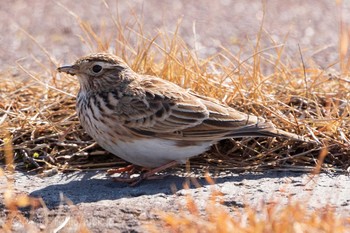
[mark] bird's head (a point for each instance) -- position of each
(99, 72)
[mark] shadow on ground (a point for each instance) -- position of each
(88, 187)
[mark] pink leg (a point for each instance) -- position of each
(146, 175)
(130, 169)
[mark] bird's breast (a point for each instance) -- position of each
(98, 117)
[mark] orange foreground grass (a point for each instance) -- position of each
(269, 218)
(272, 218)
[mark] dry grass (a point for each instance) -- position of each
(14, 218)
(37, 111)
(268, 218)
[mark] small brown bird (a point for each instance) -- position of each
(151, 122)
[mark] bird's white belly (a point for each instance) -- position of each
(153, 152)
(146, 152)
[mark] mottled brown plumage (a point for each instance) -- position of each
(149, 121)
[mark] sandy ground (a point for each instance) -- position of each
(206, 26)
(107, 206)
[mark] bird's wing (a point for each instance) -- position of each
(222, 120)
(164, 109)
(170, 112)
(226, 122)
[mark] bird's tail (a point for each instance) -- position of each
(265, 129)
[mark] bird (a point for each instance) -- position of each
(151, 122)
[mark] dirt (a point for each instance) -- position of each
(106, 205)
(206, 26)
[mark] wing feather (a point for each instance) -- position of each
(170, 112)
(163, 109)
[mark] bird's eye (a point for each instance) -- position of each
(96, 68)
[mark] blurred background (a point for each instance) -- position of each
(30, 27)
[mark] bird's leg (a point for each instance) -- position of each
(129, 170)
(145, 175)
(150, 174)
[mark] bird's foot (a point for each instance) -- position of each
(130, 169)
(144, 175)
(133, 181)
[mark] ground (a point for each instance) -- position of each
(106, 205)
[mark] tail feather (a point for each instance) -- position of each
(264, 129)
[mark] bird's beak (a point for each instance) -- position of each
(72, 70)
